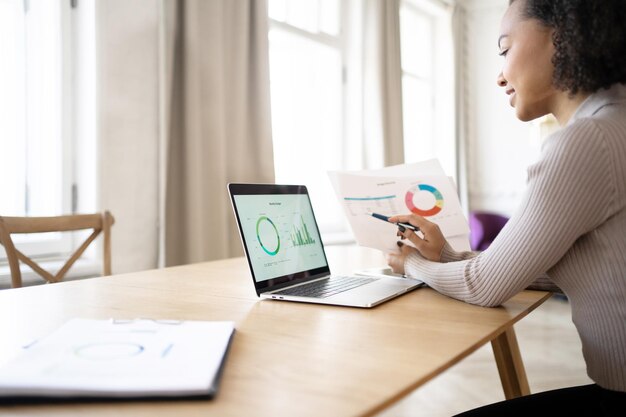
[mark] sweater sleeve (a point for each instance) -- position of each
(542, 283)
(448, 254)
(569, 194)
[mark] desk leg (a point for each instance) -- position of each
(510, 365)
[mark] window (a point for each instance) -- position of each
(38, 115)
(427, 82)
(307, 61)
(317, 67)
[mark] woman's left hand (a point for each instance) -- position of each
(396, 260)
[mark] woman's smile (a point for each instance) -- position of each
(511, 93)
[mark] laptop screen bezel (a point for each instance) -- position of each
(275, 189)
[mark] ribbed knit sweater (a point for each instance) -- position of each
(571, 226)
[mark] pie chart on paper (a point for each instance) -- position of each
(424, 200)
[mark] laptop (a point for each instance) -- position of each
(286, 256)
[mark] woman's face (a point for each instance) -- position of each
(527, 48)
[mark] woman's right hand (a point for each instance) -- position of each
(431, 245)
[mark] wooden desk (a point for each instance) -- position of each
(287, 358)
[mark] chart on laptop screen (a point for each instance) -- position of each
(280, 234)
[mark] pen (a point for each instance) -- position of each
(401, 226)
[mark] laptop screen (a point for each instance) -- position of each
(279, 233)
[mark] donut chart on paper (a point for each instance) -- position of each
(408, 199)
(267, 250)
(108, 350)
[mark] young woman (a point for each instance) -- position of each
(566, 58)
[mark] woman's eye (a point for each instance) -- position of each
(503, 53)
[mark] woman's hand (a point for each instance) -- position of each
(396, 260)
(431, 245)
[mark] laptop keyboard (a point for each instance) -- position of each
(327, 287)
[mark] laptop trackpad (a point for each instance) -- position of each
(379, 290)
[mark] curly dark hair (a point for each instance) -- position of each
(589, 40)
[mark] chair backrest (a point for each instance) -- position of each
(99, 222)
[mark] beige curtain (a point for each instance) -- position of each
(382, 83)
(216, 128)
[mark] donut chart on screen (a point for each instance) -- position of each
(408, 199)
(258, 236)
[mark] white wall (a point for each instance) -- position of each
(499, 147)
(127, 108)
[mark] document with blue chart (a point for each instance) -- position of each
(397, 190)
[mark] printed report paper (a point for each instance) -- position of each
(121, 359)
(420, 188)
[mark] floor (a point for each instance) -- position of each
(552, 356)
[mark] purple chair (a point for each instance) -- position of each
(484, 227)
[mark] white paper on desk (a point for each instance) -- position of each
(363, 194)
(102, 358)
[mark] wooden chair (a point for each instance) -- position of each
(99, 222)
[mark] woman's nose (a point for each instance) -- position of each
(501, 80)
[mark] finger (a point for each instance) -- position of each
(400, 218)
(407, 250)
(420, 221)
(413, 219)
(392, 261)
(415, 239)
(425, 226)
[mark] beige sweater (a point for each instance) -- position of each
(571, 226)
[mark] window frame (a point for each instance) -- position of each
(431, 79)
(60, 245)
(339, 232)
(349, 43)
(437, 12)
